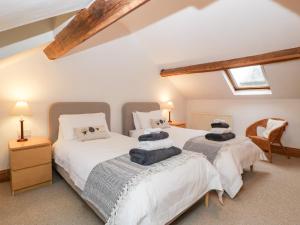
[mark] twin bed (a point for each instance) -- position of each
(235, 156)
(161, 196)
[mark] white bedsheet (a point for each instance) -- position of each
(157, 199)
(240, 153)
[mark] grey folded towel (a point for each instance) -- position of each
(219, 125)
(154, 136)
(144, 157)
(220, 137)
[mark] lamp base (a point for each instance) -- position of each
(170, 121)
(22, 139)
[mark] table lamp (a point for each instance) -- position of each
(21, 109)
(168, 106)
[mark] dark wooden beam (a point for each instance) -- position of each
(266, 58)
(88, 22)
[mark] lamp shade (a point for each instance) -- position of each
(167, 105)
(21, 108)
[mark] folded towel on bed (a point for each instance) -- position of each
(218, 130)
(154, 145)
(152, 130)
(144, 157)
(220, 137)
(218, 121)
(154, 136)
(220, 125)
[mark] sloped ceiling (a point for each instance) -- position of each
(184, 32)
(15, 13)
(202, 31)
(284, 79)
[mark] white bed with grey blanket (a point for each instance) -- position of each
(229, 158)
(119, 191)
(163, 191)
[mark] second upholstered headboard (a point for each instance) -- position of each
(130, 107)
(61, 108)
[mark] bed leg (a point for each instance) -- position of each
(251, 168)
(206, 200)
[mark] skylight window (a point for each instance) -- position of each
(248, 78)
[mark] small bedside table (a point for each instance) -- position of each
(178, 124)
(30, 164)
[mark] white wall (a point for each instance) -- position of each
(115, 71)
(245, 112)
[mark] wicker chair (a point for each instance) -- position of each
(266, 143)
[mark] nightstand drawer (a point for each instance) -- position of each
(31, 176)
(30, 157)
(178, 124)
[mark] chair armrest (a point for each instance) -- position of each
(252, 129)
(276, 134)
(262, 142)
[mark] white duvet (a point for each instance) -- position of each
(238, 154)
(157, 199)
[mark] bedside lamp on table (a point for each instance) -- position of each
(168, 106)
(21, 109)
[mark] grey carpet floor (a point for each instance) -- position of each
(270, 196)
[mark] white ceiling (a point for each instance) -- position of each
(193, 32)
(15, 13)
(182, 32)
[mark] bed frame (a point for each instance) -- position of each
(61, 108)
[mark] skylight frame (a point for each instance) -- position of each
(246, 88)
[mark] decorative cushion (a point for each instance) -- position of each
(67, 123)
(272, 125)
(145, 118)
(260, 131)
(91, 133)
(159, 123)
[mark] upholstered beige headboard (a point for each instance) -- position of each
(130, 107)
(61, 108)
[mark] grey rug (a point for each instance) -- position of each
(270, 196)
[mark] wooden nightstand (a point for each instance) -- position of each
(30, 164)
(178, 124)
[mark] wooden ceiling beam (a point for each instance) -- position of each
(266, 58)
(88, 22)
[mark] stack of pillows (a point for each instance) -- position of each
(220, 131)
(154, 146)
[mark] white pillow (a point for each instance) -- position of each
(67, 123)
(136, 121)
(146, 117)
(272, 125)
(260, 131)
(60, 134)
